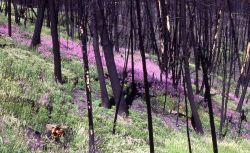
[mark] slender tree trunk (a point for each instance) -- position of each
(1, 7)
(210, 107)
(152, 34)
(98, 59)
(242, 77)
(197, 67)
(235, 38)
(48, 19)
(116, 26)
(83, 21)
(240, 104)
(36, 39)
(16, 12)
(186, 109)
(222, 117)
(9, 18)
(66, 6)
(6, 8)
(209, 101)
(87, 86)
(232, 54)
(195, 116)
(109, 57)
(71, 18)
(55, 41)
(247, 78)
(245, 86)
(132, 44)
(146, 85)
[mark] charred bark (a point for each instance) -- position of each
(55, 41)
(109, 56)
(145, 77)
(36, 39)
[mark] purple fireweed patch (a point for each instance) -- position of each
(72, 49)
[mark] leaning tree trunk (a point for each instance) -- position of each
(246, 82)
(109, 57)
(145, 76)
(55, 41)
(83, 35)
(88, 94)
(36, 39)
(209, 101)
(186, 109)
(195, 116)
(244, 91)
(152, 33)
(99, 65)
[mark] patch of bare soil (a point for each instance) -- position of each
(34, 139)
(169, 119)
(43, 141)
(79, 99)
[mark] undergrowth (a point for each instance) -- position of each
(26, 76)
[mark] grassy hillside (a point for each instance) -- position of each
(27, 90)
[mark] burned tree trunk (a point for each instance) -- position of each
(245, 85)
(36, 39)
(16, 12)
(9, 18)
(186, 109)
(209, 101)
(109, 56)
(132, 45)
(99, 65)
(83, 34)
(195, 116)
(222, 117)
(66, 7)
(116, 26)
(55, 41)
(145, 77)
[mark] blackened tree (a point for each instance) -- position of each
(36, 39)
(109, 56)
(145, 77)
(55, 41)
(9, 17)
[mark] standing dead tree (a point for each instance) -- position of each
(83, 15)
(36, 39)
(109, 56)
(9, 17)
(145, 77)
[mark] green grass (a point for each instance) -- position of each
(31, 26)
(11, 139)
(218, 99)
(21, 71)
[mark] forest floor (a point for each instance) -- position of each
(27, 77)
